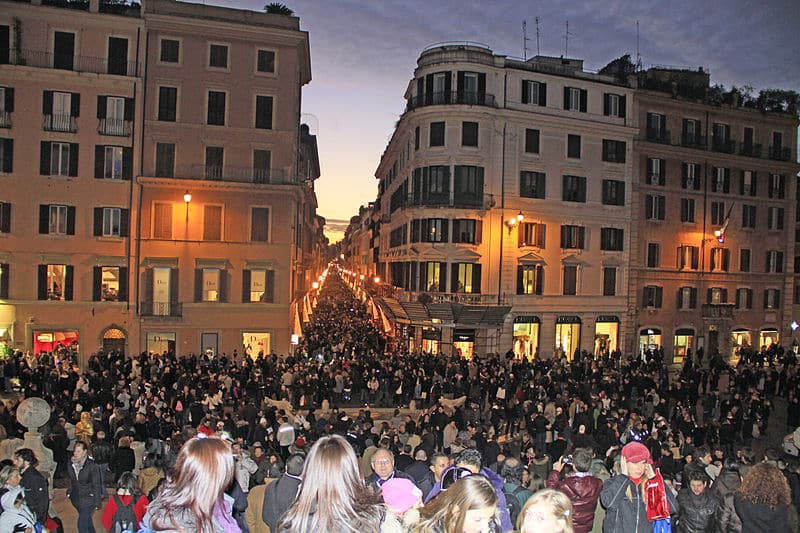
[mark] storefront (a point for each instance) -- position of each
(767, 337)
(568, 335)
(159, 342)
(741, 341)
(407, 333)
(526, 337)
(49, 340)
(606, 335)
(255, 343)
(683, 344)
(431, 340)
(464, 342)
(114, 340)
(649, 339)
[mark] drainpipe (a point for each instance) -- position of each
(502, 214)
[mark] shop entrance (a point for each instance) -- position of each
(256, 343)
(568, 336)
(683, 345)
(741, 342)
(50, 341)
(431, 340)
(768, 337)
(606, 333)
(526, 337)
(464, 342)
(160, 342)
(114, 340)
(649, 340)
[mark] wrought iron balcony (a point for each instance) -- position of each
(457, 200)
(237, 174)
(780, 153)
(5, 119)
(161, 309)
(64, 123)
(659, 136)
(114, 126)
(451, 97)
(42, 59)
(726, 146)
(693, 141)
(750, 150)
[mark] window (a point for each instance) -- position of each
(690, 176)
(216, 108)
(574, 189)
(687, 210)
(259, 228)
(264, 112)
(467, 185)
(609, 281)
(717, 213)
(210, 285)
(56, 220)
(167, 104)
(162, 220)
(215, 156)
(467, 231)
(55, 282)
(612, 239)
(777, 186)
(534, 92)
(212, 223)
(416, 138)
(775, 218)
(530, 279)
(720, 259)
(115, 114)
(532, 234)
(531, 141)
(170, 51)
(258, 286)
(109, 284)
(722, 180)
(112, 166)
(112, 217)
(570, 281)
(64, 50)
(397, 237)
(774, 263)
(469, 134)
(466, 278)
(749, 185)
(117, 62)
(744, 260)
(748, 216)
(687, 298)
(657, 128)
(722, 133)
(471, 88)
(717, 295)
(688, 257)
(653, 255)
(262, 162)
(5, 218)
(772, 299)
(613, 192)
(655, 207)
(265, 61)
(690, 135)
(437, 134)
(653, 296)
(655, 171)
(434, 230)
(165, 160)
(532, 184)
(744, 298)
(574, 146)
(218, 56)
(797, 264)
(6, 155)
(59, 159)
(575, 99)
(572, 237)
(613, 151)
(614, 105)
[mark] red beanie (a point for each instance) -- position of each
(636, 452)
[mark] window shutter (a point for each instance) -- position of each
(709, 295)
(75, 105)
(99, 161)
(520, 284)
(5, 217)
(476, 278)
(606, 104)
(754, 184)
(539, 279)
(44, 158)
(69, 279)
(73, 159)
(9, 103)
(454, 277)
(749, 298)
(766, 297)
(478, 232)
(47, 103)
(147, 289)
(766, 262)
(198, 284)
(542, 94)
(124, 222)
(4, 280)
(129, 109)
(101, 106)
(98, 221)
(693, 298)
(694, 257)
(42, 282)
(127, 163)
(662, 178)
(122, 293)
(97, 283)
(442, 277)
(741, 183)
(726, 183)
(445, 230)
(581, 237)
(622, 111)
(245, 286)
(566, 97)
(644, 297)
(428, 89)
(525, 99)
(726, 260)
(223, 286)
(725, 295)
(679, 298)
(649, 200)
(738, 299)
(71, 220)
(8, 156)
(44, 219)
(448, 86)
(269, 286)
(584, 100)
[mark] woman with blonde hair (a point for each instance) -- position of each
(546, 510)
(468, 506)
(762, 500)
(333, 496)
(193, 498)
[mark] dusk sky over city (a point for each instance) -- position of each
(363, 55)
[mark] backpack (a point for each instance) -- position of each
(512, 502)
(124, 519)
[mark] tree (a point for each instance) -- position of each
(276, 8)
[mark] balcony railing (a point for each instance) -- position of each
(165, 309)
(750, 150)
(451, 97)
(726, 146)
(659, 136)
(779, 153)
(693, 141)
(447, 297)
(114, 126)
(42, 59)
(718, 310)
(237, 174)
(5, 119)
(458, 200)
(65, 123)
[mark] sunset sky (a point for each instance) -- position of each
(363, 55)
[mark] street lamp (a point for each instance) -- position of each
(315, 285)
(513, 222)
(377, 279)
(186, 199)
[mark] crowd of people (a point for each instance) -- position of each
(300, 442)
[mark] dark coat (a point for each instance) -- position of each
(84, 490)
(583, 491)
(423, 476)
(102, 451)
(760, 518)
(628, 513)
(278, 497)
(697, 512)
(37, 495)
(123, 460)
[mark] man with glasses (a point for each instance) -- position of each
(383, 470)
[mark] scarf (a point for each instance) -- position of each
(78, 466)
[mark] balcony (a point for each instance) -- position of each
(447, 297)
(690, 140)
(161, 309)
(659, 136)
(95, 65)
(779, 153)
(63, 123)
(5, 119)
(750, 150)
(725, 146)
(236, 174)
(457, 200)
(114, 126)
(451, 97)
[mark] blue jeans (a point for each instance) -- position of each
(85, 524)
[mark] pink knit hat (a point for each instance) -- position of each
(400, 494)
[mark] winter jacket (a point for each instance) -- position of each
(84, 489)
(697, 512)
(111, 508)
(149, 477)
(498, 484)
(725, 519)
(278, 497)
(15, 519)
(583, 491)
(37, 495)
(760, 518)
(625, 506)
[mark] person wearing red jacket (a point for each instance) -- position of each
(127, 491)
(582, 488)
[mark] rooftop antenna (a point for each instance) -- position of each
(638, 56)
(538, 50)
(525, 40)
(566, 41)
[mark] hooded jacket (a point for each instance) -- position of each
(625, 506)
(13, 517)
(583, 491)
